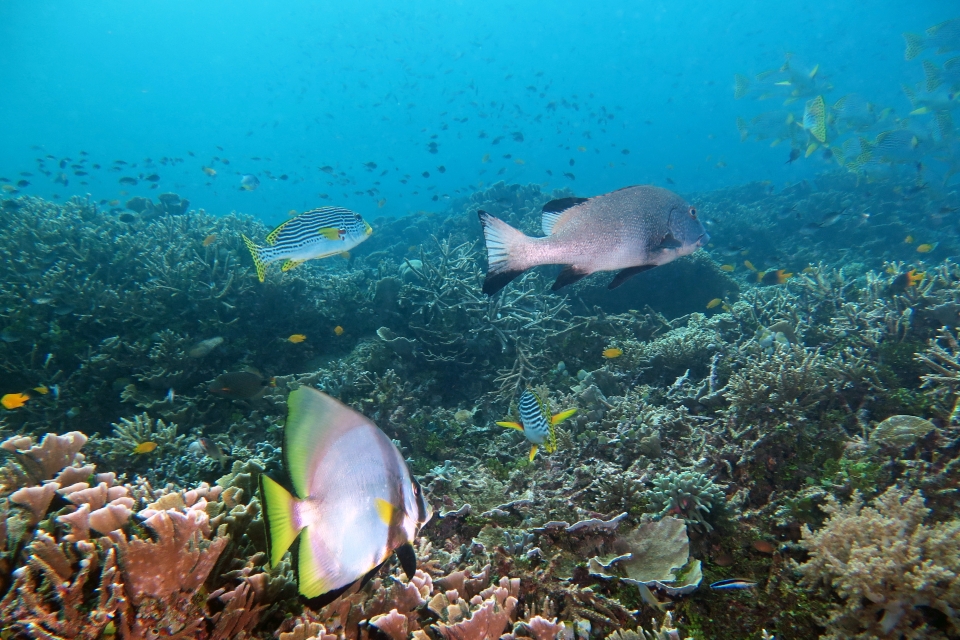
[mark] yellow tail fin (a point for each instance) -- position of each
(278, 508)
(257, 260)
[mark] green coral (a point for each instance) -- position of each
(689, 494)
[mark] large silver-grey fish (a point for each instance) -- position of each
(355, 504)
(322, 232)
(629, 230)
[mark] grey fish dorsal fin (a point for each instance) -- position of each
(552, 211)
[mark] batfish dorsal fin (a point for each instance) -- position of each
(569, 275)
(408, 559)
(314, 419)
(628, 273)
(552, 210)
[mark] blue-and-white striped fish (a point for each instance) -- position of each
(322, 232)
(536, 423)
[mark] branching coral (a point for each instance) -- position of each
(689, 494)
(888, 566)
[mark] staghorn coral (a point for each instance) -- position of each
(142, 428)
(942, 383)
(887, 565)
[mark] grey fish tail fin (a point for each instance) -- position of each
(916, 43)
(255, 253)
(502, 242)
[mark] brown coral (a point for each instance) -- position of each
(886, 565)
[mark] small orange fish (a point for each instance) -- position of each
(297, 338)
(908, 239)
(210, 239)
(773, 277)
(726, 307)
(209, 171)
(13, 401)
(926, 247)
(727, 267)
(338, 330)
(612, 352)
(42, 389)
(749, 265)
(809, 270)
(144, 447)
(716, 302)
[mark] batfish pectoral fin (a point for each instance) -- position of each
(290, 264)
(628, 273)
(384, 511)
(408, 559)
(569, 275)
(511, 425)
(533, 452)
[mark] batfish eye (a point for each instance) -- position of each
(693, 212)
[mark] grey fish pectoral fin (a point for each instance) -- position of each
(569, 275)
(408, 559)
(669, 242)
(628, 273)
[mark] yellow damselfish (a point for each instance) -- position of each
(716, 302)
(14, 400)
(338, 330)
(145, 447)
(727, 267)
(926, 248)
(612, 352)
(297, 338)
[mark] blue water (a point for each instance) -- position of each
(302, 85)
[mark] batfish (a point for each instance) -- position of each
(354, 501)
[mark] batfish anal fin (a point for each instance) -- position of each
(511, 425)
(569, 275)
(408, 559)
(628, 273)
(384, 511)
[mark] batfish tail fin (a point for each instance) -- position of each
(279, 509)
(255, 252)
(504, 248)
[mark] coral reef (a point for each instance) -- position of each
(890, 568)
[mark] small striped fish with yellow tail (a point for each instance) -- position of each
(320, 233)
(536, 423)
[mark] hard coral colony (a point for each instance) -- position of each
(195, 446)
